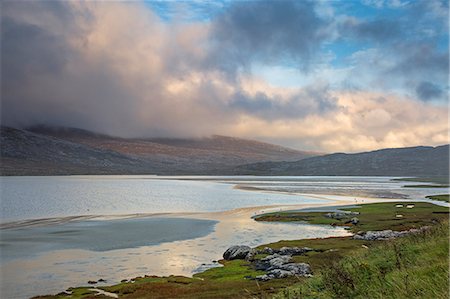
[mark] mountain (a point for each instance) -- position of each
(44, 150)
(409, 161)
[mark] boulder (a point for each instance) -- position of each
(272, 262)
(286, 270)
(236, 252)
(341, 214)
(301, 269)
(268, 250)
(294, 250)
(251, 255)
(353, 221)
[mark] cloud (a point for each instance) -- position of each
(427, 91)
(269, 31)
(118, 68)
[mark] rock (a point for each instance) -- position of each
(286, 270)
(386, 234)
(92, 282)
(341, 214)
(101, 280)
(301, 269)
(236, 252)
(267, 250)
(276, 261)
(272, 262)
(353, 221)
(294, 250)
(251, 255)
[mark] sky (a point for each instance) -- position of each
(329, 76)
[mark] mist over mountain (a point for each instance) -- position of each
(44, 150)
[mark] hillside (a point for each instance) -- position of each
(53, 150)
(410, 161)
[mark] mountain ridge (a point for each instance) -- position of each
(53, 150)
(45, 150)
(407, 161)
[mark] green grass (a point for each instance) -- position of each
(441, 197)
(436, 180)
(377, 216)
(426, 186)
(411, 267)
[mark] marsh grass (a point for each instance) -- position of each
(412, 267)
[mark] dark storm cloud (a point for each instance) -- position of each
(379, 30)
(310, 100)
(28, 49)
(428, 91)
(269, 32)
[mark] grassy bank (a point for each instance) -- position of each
(444, 180)
(377, 216)
(412, 267)
(433, 182)
(441, 197)
(233, 280)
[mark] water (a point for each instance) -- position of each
(54, 257)
(42, 197)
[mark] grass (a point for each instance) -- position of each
(436, 180)
(426, 186)
(231, 280)
(441, 197)
(377, 216)
(411, 267)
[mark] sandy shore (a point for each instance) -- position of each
(239, 213)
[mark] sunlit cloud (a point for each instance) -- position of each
(301, 74)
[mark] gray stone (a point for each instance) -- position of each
(386, 234)
(268, 250)
(353, 221)
(286, 270)
(294, 250)
(301, 269)
(236, 252)
(251, 255)
(341, 214)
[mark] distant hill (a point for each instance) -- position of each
(44, 150)
(409, 161)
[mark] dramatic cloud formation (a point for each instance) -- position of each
(312, 75)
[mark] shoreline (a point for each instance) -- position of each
(215, 215)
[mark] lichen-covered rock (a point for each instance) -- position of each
(251, 255)
(341, 214)
(268, 250)
(386, 234)
(236, 252)
(286, 270)
(294, 250)
(353, 221)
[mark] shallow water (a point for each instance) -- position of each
(41, 197)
